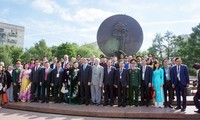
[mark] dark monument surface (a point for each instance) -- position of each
(119, 34)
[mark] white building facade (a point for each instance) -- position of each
(12, 35)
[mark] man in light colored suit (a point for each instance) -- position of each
(97, 82)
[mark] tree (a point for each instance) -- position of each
(168, 40)
(42, 50)
(66, 49)
(157, 46)
(193, 53)
(9, 54)
(142, 53)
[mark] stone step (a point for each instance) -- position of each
(141, 112)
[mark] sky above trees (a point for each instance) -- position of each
(60, 21)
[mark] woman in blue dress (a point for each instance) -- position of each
(157, 82)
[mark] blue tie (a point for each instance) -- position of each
(84, 66)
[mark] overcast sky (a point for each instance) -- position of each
(59, 21)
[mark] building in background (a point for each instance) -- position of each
(12, 35)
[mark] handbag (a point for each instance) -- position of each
(63, 90)
(5, 98)
(187, 91)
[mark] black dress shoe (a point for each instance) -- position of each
(43, 101)
(111, 104)
(170, 106)
(105, 104)
(87, 103)
(177, 108)
(183, 109)
(197, 111)
(82, 102)
(123, 105)
(142, 104)
(47, 101)
(136, 105)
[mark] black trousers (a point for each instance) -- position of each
(15, 92)
(45, 91)
(57, 93)
(145, 93)
(34, 91)
(196, 99)
(122, 94)
(168, 89)
(180, 91)
(84, 89)
(108, 89)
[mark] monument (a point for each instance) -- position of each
(119, 34)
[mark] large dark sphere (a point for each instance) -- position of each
(119, 33)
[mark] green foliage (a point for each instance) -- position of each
(9, 54)
(142, 53)
(179, 46)
(66, 48)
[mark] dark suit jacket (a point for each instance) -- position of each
(57, 81)
(170, 73)
(184, 76)
(109, 79)
(9, 78)
(125, 77)
(49, 75)
(85, 76)
(116, 65)
(198, 79)
(63, 64)
(66, 75)
(103, 64)
(51, 66)
(35, 76)
(148, 75)
(91, 63)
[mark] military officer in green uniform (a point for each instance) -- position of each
(134, 83)
(15, 80)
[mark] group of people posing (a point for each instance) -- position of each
(90, 81)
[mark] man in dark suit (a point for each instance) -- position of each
(57, 82)
(15, 78)
(45, 81)
(66, 60)
(145, 83)
(180, 80)
(85, 75)
(167, 84)
(35, 77)
(197, 95)
(108, 80)
(122, 83)
(103, 62)
(53, 65)
(35, 80)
